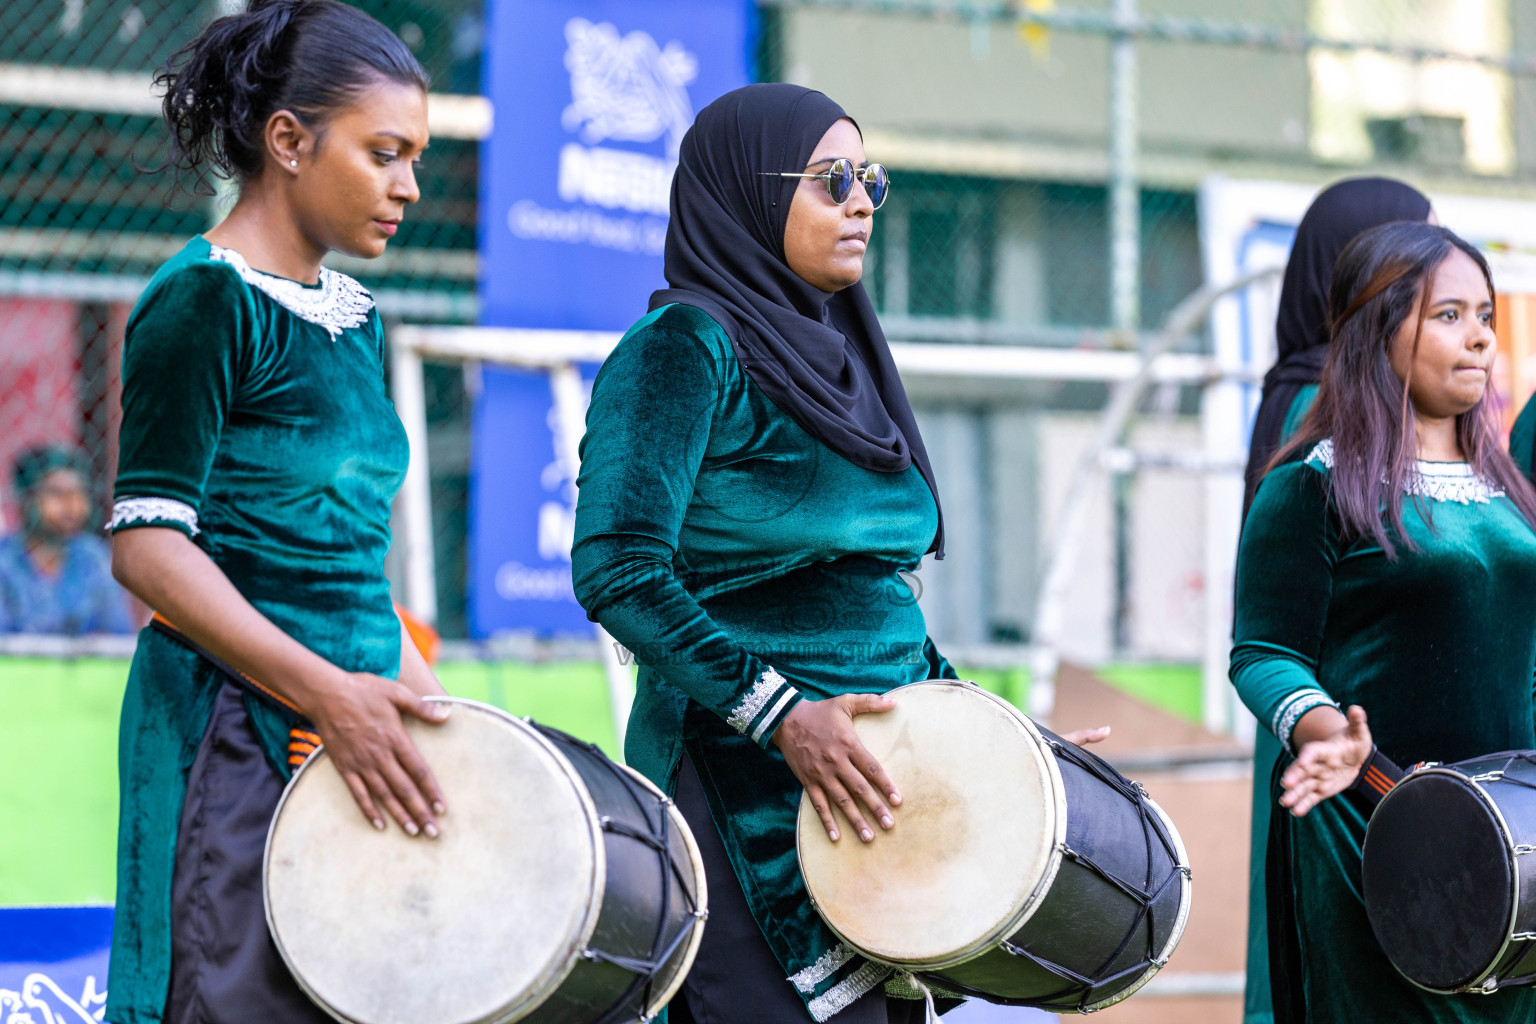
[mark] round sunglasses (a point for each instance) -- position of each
(841, 176)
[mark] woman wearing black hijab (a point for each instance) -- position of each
(1336, 216)
(752, 486)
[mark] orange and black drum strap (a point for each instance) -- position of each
(302, 739)
(1377, 777)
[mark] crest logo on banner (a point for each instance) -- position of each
(593, 98)
(626, 87)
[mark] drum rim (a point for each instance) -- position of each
(1477, 984)
(1030, 903)
(540, 991)
(697, 860)
(1186, 897)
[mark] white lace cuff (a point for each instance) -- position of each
(153, 512)
(1292, 708)
(761, 710)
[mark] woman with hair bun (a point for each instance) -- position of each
(259, 456)
(1388, 565)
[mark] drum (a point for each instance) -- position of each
(1021, 870)
(1449, 873)
(564, 889)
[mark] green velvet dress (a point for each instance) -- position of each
(1439, 648)
(747, 565)
(1522, 440)
(255, 421)
(1257, 1007)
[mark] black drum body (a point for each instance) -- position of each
(1113, 913)
(652, 904)
(1449, 873)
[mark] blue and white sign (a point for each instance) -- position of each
(592, 100)
(53, 964)
(522, 509)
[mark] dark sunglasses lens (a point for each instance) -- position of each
(840, 180)
(878, 184)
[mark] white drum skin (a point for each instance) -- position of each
(388, 929)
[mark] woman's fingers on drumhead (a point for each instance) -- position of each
(871, 769)
(850, 808)
(412, 703)
(823, 808)
(865, 703)
(416, 765)
(364, 799)
(383, 794)
(410, 796)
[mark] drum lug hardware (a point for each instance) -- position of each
(1523, 937)
(1493, 776)
(1524, 848)
(1186, 871)
(1487, 988)
(1138, 787)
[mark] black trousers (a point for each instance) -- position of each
(736, 979)
(224, 967)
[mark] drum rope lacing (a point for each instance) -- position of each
(1078, 996)
(646, 970)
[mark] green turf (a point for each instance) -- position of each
(1174, 687)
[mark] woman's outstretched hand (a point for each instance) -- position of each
(1328, 765)
(824, 752)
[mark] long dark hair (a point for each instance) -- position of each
(309, 57)
(1363, 405)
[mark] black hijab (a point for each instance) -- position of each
(1336, 216)
(819, 356)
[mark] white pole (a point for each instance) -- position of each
(416, 492)
(570, 415)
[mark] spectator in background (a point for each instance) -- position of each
(54, 577)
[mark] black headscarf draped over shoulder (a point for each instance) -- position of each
(819, 356)
(1336, 216)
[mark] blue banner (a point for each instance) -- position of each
(592, 98)
(522, 510)
(53, 963)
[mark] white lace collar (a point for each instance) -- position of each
(1440, 481)
(336, 304)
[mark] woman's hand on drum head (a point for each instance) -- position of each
(361, 725)
(1331, 750)
(819, 742)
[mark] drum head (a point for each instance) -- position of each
(975, 837)
(478, 925)
(1438, 878)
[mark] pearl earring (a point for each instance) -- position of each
(293, 163)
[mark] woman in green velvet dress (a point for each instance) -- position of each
(1388, 565)
(1339, 213)
(259, 456)
(753, 486)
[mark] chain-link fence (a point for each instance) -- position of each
(1010, 128)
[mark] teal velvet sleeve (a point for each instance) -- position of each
(938, 665)
(181, 370)
(1285, 571)
(648, 430)
(1522, 439)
